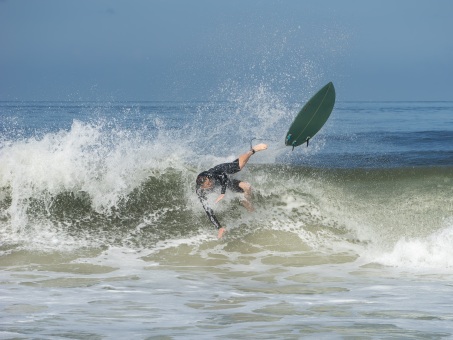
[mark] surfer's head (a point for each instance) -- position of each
(204, 180)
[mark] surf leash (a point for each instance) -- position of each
(264, 140)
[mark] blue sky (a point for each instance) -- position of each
(201, 49)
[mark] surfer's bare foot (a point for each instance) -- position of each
(221, 232)
(260, 147)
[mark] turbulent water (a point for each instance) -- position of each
(102, 235)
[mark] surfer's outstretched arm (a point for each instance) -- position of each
(210, 213)
(244, 158)
(221, 230)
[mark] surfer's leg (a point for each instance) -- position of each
(240, 162)
(247, 189)
(244, 158)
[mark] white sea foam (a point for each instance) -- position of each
(105, 165)
(432, 252)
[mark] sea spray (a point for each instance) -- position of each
(87, 163)
(125, 177)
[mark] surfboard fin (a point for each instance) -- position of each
(308, 139)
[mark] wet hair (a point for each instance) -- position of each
(201, 178)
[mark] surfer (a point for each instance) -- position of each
(218, 176)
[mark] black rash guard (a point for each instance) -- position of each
(219, 174)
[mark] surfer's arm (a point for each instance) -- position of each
(208, 210)
(212, 217)
(221, 196)
(223, 178)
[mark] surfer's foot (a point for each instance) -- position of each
(260, 147)
(221, 232)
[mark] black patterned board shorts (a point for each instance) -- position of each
(233, 185)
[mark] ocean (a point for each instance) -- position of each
(102, 235)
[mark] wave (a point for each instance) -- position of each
(91, 187)
(109, 183)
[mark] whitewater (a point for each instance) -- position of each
(102, 235)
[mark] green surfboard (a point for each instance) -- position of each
(312, 117)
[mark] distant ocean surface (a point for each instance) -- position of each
(102, 235)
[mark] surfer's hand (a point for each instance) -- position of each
(220, 198)
(221, 232)
(260, 147)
